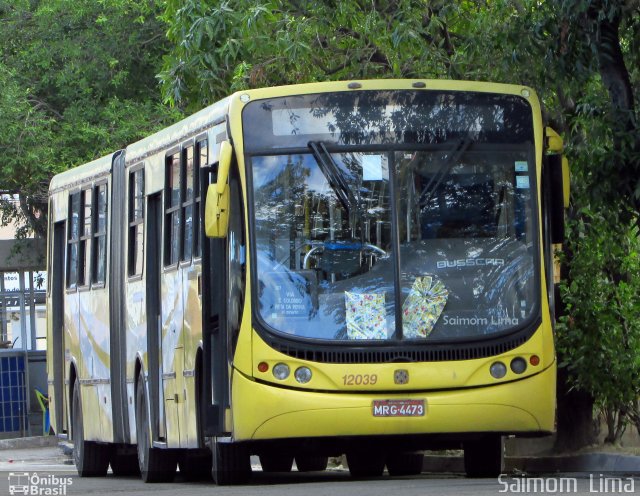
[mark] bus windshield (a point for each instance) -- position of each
(393, 216)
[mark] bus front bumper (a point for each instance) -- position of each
(261, 411)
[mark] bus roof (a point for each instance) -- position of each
(178, 132)
(82, 174)
(214, 114)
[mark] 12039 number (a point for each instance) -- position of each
(359, 379)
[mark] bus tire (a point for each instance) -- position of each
(365, 464)
(124, 465)
(311, 463)
(195, 467)
(404, 464)
(231, 464)
(273, 462)
(91, 458)
(484, 457)
(156, 465)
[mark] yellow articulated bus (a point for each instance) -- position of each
(298, 272)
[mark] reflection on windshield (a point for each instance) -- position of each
(445, 251)
(466, 264)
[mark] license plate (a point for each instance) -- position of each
(398, 408)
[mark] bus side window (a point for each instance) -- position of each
(84, 270)
(73, 240)
(202, 158)
(136, 222)
(98, 275)
(188, 194)
(172, 211)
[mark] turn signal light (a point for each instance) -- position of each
(263, 366)
(534, 360)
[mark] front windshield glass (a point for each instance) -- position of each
(390, 233)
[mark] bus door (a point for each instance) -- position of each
(171, 304)
(155, 362)
(224, 261)
(57, 326)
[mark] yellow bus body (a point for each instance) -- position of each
(460, 396)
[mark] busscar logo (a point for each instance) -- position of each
(469, 262)
(38, 485)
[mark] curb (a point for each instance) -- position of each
(28, 442)
(587, 462)
(66, 447)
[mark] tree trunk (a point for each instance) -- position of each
(615, 76)
(616, 424)
(575, 416)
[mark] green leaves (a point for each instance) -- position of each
(77, 83)
(581, 56)
(599, 337)
(284, 42)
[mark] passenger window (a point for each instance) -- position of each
(100, 234)
(172, 226)
(73, 239)
(201, 161)
(85, 239)
(188, 205)
(136, 222)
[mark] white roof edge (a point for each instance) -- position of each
(172, 135)
(82, 173)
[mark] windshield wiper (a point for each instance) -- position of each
(334, 176)
(460, 147)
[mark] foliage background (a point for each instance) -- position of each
(79, 80)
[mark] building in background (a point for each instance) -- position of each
(23, 283)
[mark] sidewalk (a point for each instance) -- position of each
(33, 454)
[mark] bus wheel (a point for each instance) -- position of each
(484, 457)
(405, 463)
(124, 465)
(91, 459)
(362, 464)
(272, 462)
(195, 467)
(311, 463)
(231, 464)
(156, 465)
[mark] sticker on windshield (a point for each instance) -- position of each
(522, 182)
(373, 168)
(423, 307)
(521, 166)
(366, 316)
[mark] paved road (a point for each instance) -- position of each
(53, 472)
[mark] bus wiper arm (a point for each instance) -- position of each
(333, 174)
(457, 151)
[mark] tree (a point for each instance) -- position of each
(78, 82)
(574, 52)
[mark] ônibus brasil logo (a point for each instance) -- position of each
(38, 485)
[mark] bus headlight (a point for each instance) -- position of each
(281, 371)
(518, 365)
(302, 375)
(498, 370)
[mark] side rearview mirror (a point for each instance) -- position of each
(216, 210)
(558, 182)
(566, 182)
